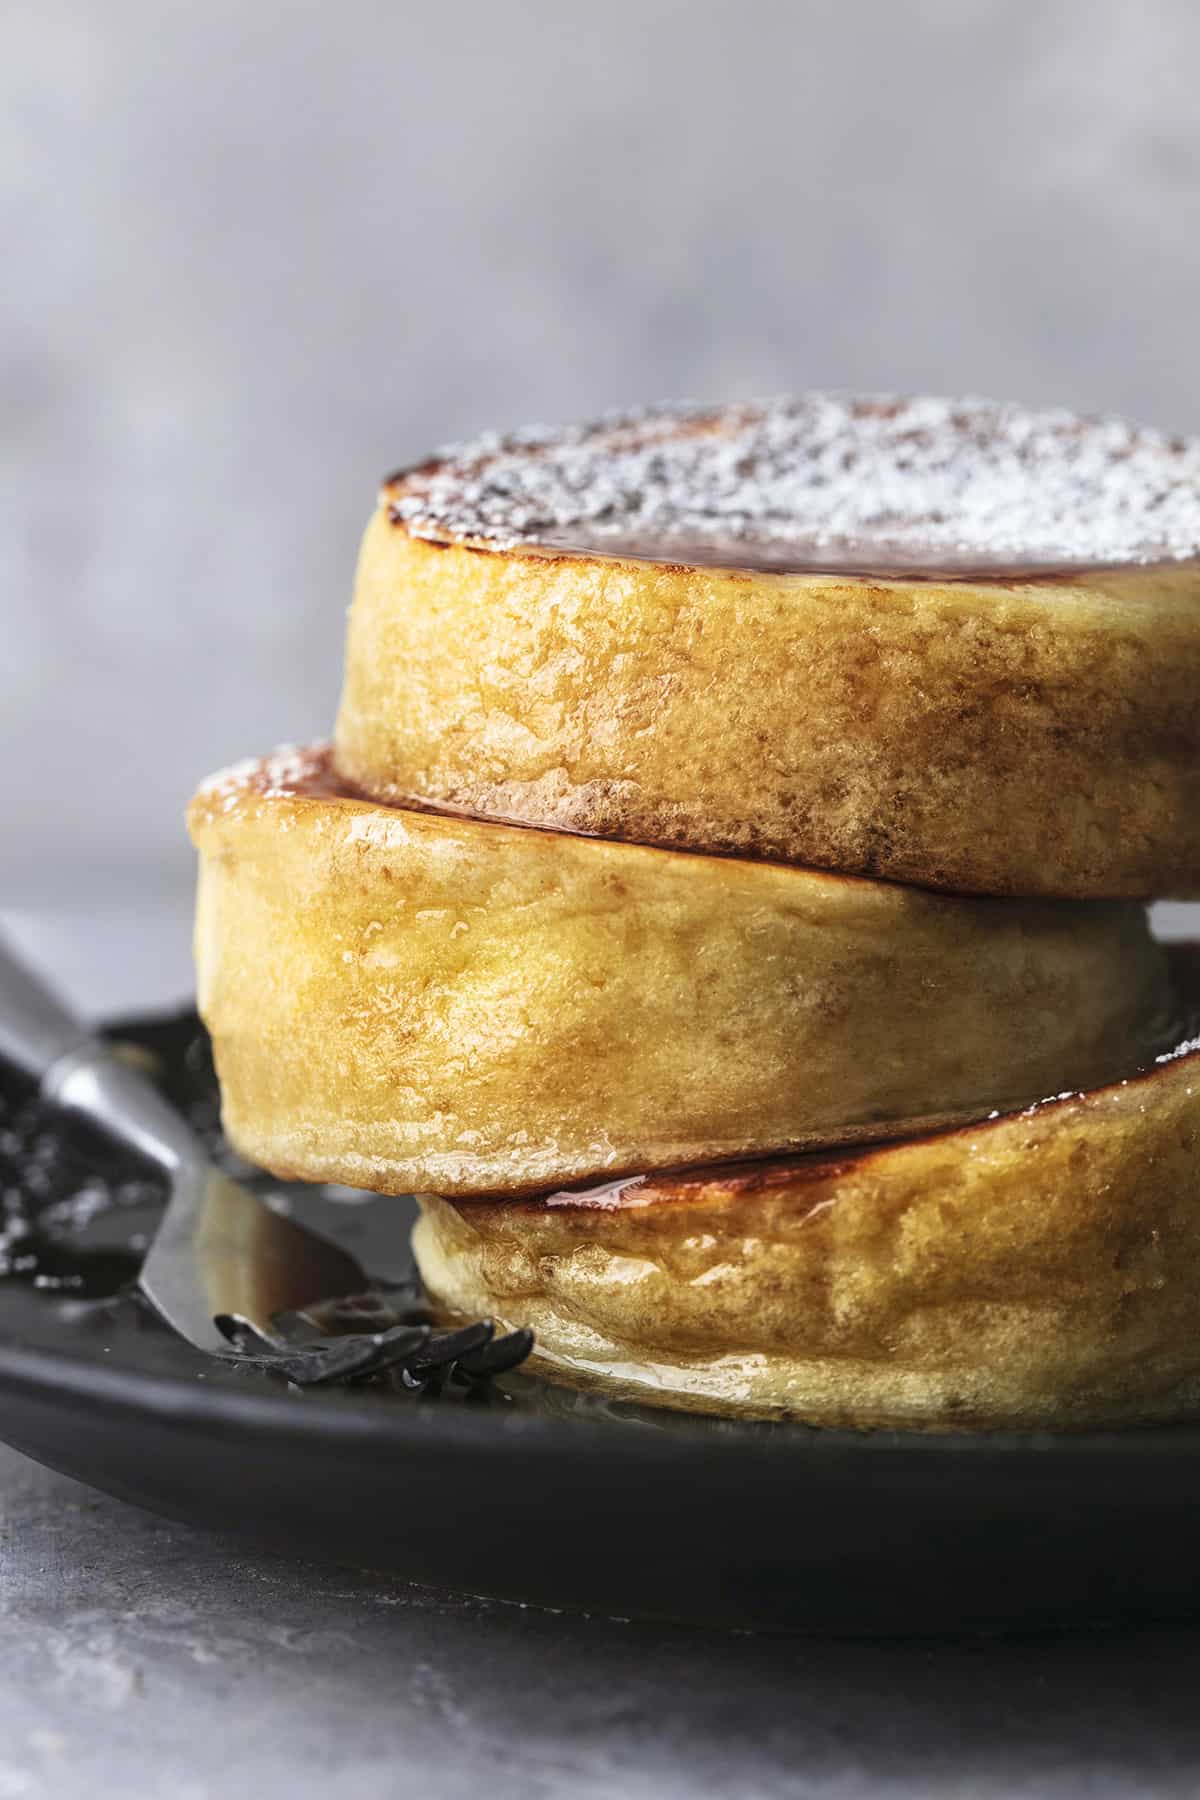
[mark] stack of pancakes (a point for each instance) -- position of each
(723, 904)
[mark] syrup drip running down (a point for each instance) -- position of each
(823, 483)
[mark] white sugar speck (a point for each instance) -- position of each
(1053, 1100)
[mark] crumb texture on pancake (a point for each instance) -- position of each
(1041, 1270)
(949, 644)
(404, 1001)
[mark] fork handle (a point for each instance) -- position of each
(76, 1070)
(36, 1029)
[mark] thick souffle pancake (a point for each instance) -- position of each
(406, 1001)
(950, 643)
(1037, 1269)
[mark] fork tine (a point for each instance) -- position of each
(446, 1347)
(500, 1354)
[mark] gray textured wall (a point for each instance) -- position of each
(256, 252)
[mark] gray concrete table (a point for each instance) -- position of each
(143, 1659)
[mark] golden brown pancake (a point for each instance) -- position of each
(1039, 1269)
(405, 1001)
(948, 643)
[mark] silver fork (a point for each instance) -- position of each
(220, 1253)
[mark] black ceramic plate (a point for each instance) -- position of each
(537, 1493)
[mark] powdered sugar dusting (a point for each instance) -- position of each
(289, 769)
(823, 480)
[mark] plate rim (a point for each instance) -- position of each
(69, 1377)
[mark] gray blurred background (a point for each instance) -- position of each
(258, 252)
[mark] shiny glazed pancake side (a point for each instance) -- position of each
(951, 644)
(404, 1001)
(1042, 1269)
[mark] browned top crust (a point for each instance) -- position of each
(874, 484)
